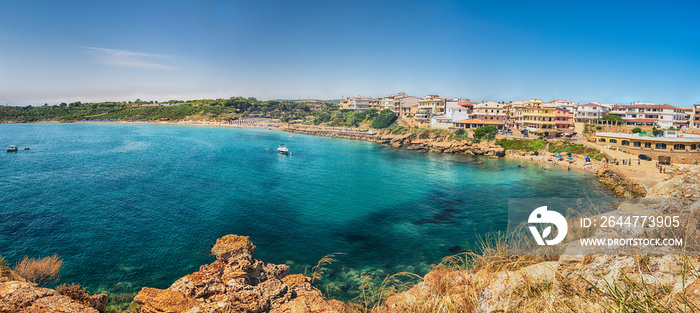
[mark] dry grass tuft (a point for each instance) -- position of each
(39, 271)
(321, 267)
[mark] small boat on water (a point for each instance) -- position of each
(12, 149)
(282, 149)
(26, 148)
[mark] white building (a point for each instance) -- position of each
(664, 114)
(357, 103)
(586, 113)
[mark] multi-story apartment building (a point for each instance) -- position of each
(663, 115)
(564, 104)
(515, 118)
(467, 104)
(540, 120)
(587, 113)
(407, 105)
(391, 102)
(695, 116)
(618, 110)
(375, 104)
(563, 119)
(490, 111)
(356, 103)
(429, 106)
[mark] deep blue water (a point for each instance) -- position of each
(128, 206)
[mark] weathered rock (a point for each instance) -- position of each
(154, 300)
(19, 296)
(232, 245)
(236, 282)
(685, 185)
(620, 184)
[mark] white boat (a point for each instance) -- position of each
(282, 149)
(12, 149)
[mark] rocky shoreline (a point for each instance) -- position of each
(615, 180)
(432, 144)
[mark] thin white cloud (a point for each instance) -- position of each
(130, 59)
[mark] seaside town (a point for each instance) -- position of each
(653, 130)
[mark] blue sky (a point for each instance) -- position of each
(606, 51)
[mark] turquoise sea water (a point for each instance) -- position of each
(128, 206)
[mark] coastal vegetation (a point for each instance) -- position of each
(526, 145)
(611, 117)
(331, 116)
(560, 146)
(39, 271)
(565, 146)
(485, 132)
(219, 109)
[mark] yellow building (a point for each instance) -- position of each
(429, 106)
(680, 149)
(540, 120)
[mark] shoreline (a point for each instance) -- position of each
(624, 180)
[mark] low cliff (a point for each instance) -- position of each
(432, 142)
(236, 282)
(621, 185)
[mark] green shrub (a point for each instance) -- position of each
(636, 130)
(598, 127)
(384, 119)
(485, 132)
(521, 144)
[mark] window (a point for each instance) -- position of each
(693, 147)
(661, 146)
(679, 146)
(625, 143)
(613, 140)
(637, 144)
(647, 145)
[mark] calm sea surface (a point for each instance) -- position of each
(128, 206)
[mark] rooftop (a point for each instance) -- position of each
(478, 121)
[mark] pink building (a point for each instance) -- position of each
(563, 119)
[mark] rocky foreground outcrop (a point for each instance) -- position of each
(684, 185)
(236, 282)
(18, 295)
(570, 284)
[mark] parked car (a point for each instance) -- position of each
(644, 157)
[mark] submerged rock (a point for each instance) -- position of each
(236, 282)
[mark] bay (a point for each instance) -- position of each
(131, 205)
